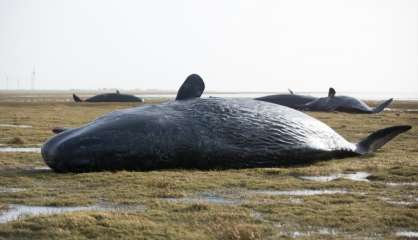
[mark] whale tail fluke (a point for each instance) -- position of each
(76, 98)
(382, 106)
(379, 138)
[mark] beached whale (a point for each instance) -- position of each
(196, 133)
(289, 100)
(348, 104)
(110, 97)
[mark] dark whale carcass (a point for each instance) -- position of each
(342, 104)
(110, 97)
(289, 100)
(211, 133)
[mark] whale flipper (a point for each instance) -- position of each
(377, 139)
(57, 130)
(331, 92)
(382, 106)
(192, 87)
(76, 98)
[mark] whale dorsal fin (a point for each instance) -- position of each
(76, 98)
(192, 87)
(117, 91)
(290, 91)
(331, 92)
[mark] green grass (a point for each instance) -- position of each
(363, 212)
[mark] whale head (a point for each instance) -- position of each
(115, 140)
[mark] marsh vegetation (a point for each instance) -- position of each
(188, 204)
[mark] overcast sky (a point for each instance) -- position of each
(238, 45)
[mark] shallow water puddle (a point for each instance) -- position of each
(404, 203)
(321, 231)
(17, 211)
(11, 190)
(206, 198)
(358, 176)
(301, 192)
(20, 149)
(394, 184)
(43, 168)
(15, 126)
(408, 234)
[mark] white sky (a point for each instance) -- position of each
(238, 45)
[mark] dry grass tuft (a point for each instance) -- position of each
(16, 140)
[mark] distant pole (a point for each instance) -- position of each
(32, 83)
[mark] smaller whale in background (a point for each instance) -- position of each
(110, 97)
(289, 100)
(342, 104)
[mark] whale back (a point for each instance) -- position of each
(240, 133)
(253, 124)
(337, 103)
(114, 97)
(288, 100)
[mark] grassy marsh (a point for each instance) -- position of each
(367, 209)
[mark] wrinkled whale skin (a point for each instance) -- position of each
(196, 133)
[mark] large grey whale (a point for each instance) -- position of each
(342, 104)
(211, 133)
(109, 97)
